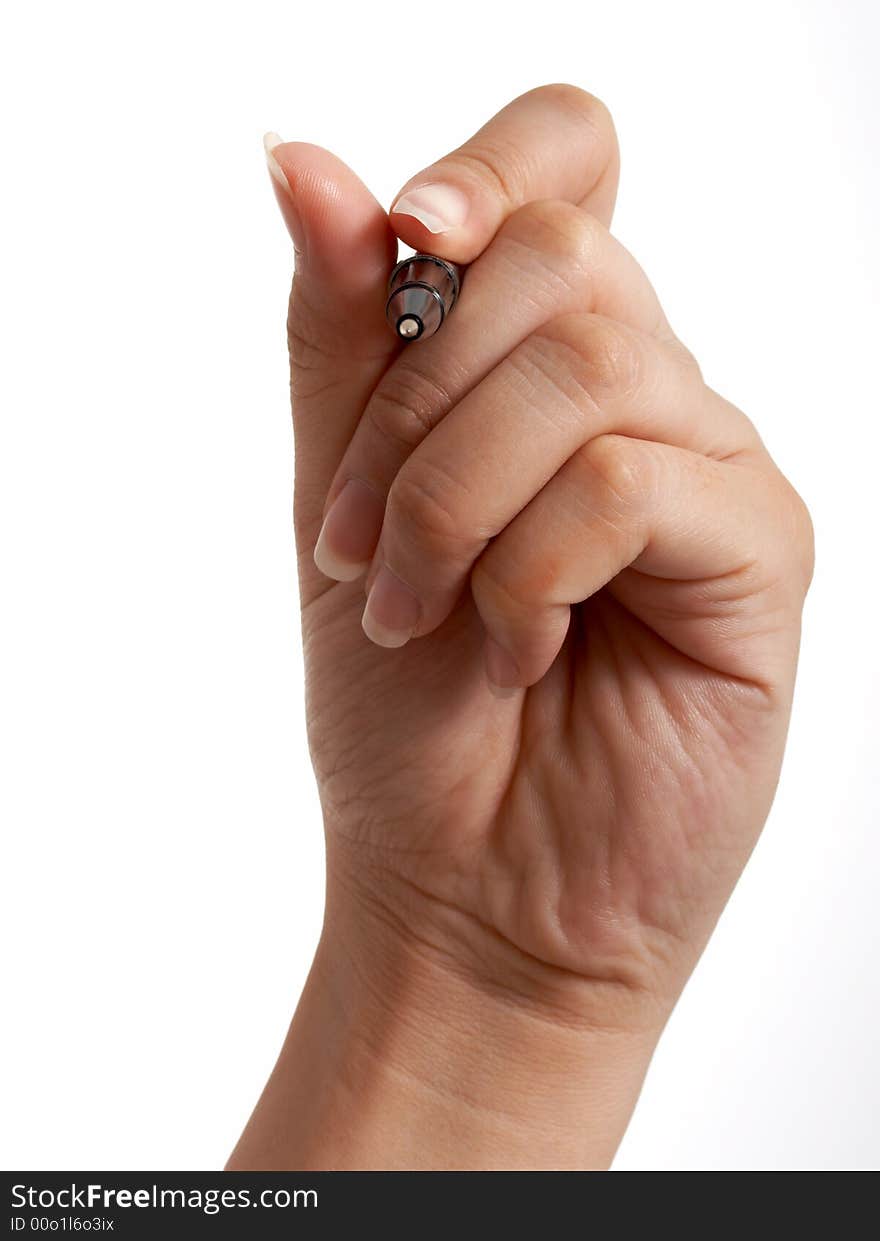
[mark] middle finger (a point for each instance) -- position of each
(575, 379)
(549, 258)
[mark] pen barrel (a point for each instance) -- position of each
(422, 291)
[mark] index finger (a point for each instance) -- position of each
(553, 142)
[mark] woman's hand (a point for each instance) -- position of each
(547, 753)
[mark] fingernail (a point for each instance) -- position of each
(350, 532)
(501, 668)
(284, 193)
(270, 142)
(392, 610)
(438, 208)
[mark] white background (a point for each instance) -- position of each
(162, 885)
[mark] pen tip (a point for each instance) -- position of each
(409, 327)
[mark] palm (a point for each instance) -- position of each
(568, 818)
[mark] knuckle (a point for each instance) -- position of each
(555, 229)
(622, 469)
(491, 160)
(320, 345)
(406, 406)
(586, 107)
(426, 500)
(602, 356)
(802, 540)
(685, 358)
(314, 362)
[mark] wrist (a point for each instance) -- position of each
(438, 1047)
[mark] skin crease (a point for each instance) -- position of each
(520, 881)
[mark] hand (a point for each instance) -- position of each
(591, 574)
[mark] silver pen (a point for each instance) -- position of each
(422, 291)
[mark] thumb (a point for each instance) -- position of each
(339, 341)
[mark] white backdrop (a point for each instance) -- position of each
(162, 887)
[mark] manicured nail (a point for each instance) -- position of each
(438, 208)
(284, 193)
(270, 142)
(501, 668)
(392, 610)
(350, 532)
